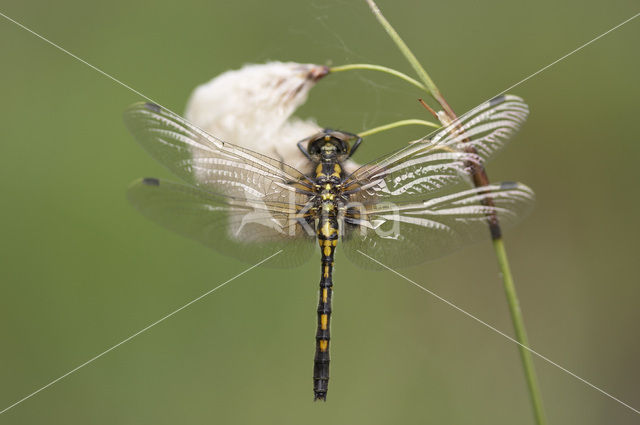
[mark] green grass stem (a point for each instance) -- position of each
(521, 333)
(371, 67)
(397, 124)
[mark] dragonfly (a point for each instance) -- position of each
(413, 205)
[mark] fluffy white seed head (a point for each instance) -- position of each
(253, 106)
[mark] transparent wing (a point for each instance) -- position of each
(246, 229)
(422, 168)
(211, 164)
(487, 127)
(410, 233)
(433, 164)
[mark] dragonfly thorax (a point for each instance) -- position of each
(328, 175)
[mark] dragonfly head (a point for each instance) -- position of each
(329, 145)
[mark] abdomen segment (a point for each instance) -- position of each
(328, 239)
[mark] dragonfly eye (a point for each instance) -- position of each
(314, 148)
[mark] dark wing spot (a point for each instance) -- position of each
(496, 100)
(509, 185)
(150, 181)
(152, 106)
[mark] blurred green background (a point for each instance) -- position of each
(81, 270)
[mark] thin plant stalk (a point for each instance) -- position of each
(397, 124)
(480, 179)
(371, 67)
(521, 334)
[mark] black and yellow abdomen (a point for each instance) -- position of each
(327, 232)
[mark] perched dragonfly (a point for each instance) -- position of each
(413, 205)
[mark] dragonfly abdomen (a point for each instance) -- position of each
(328, 239)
